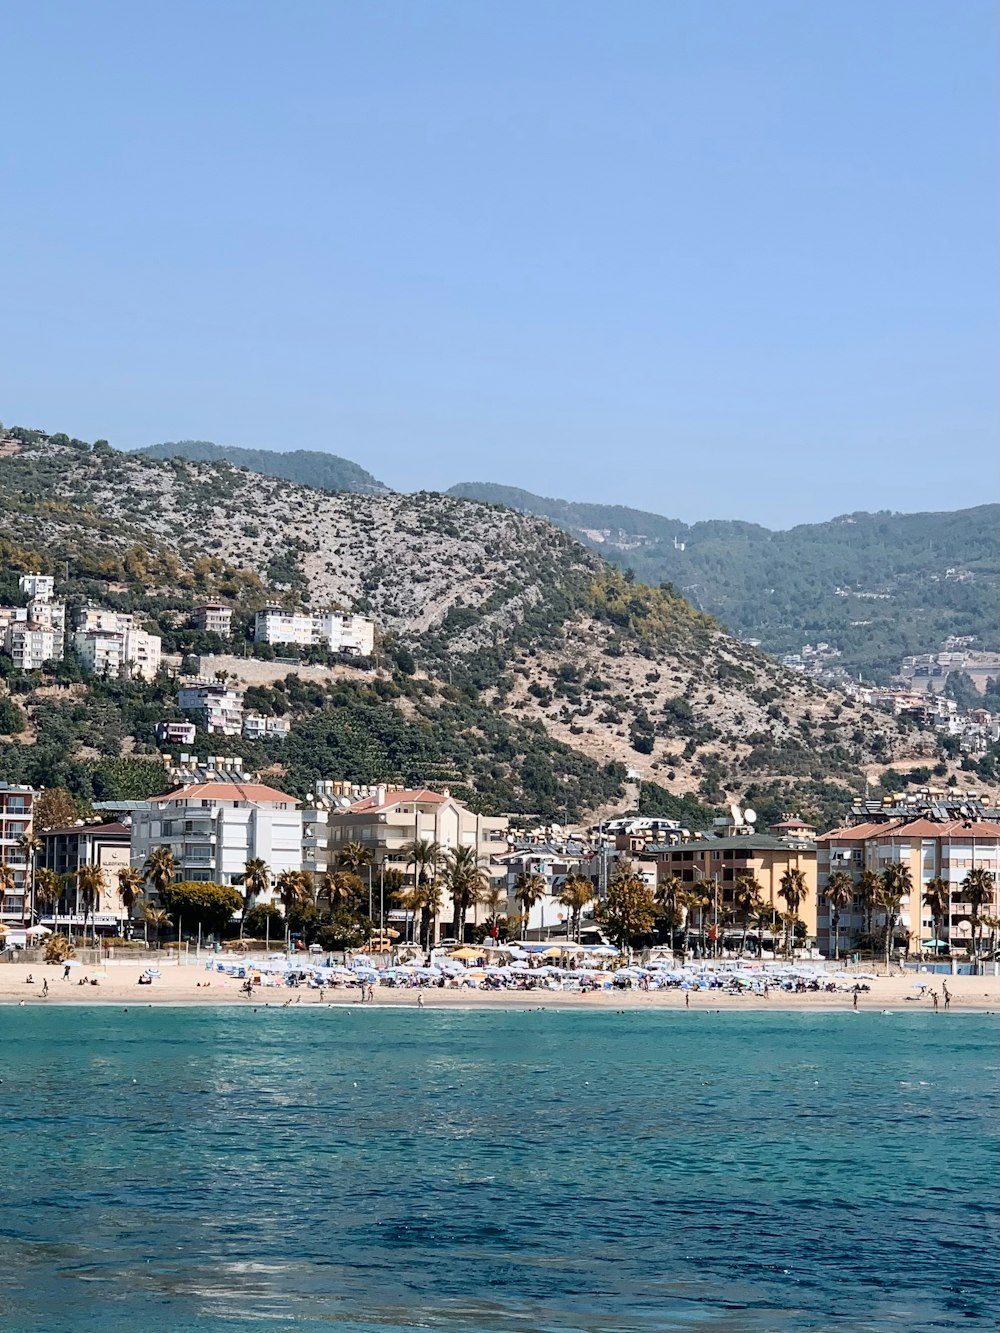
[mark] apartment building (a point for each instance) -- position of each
(176, 733)
(110, 643)
(218, 707)
(328, 629)
(256, 727)
(37, 586)
(29, 644)
(65, 850)
(213, 828)
(720, 861)
(385, 819)
(930, 847)
(214, 618)
(15, 820)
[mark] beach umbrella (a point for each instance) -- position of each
(466, 951)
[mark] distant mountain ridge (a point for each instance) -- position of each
(873, 586)
(308, 467)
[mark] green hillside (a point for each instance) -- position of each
(309, 467)
(875, 586)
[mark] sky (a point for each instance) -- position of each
(724, 260)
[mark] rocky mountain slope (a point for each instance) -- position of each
(511, 659)
(874, 586)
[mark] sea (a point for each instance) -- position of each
(375, 1170)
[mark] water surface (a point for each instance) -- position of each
(384, 1169)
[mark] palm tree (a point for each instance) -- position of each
(49, 888)
(130, 886)
(577, 891)
(340, 888)
(292, 892)
(770, 920)
(425, 857)
(466, 880)
(937, 900)
(792, 887)
(30, 846)
(747, 900)
(992, 924)
(156, 917)
(529, 888)
(687, 901)
(839, 894)
(979, 891)
(159, 870)
(354, 855)
(256, 880)
(868, 887)
(668, 892)
(895, 883)
(89, 885)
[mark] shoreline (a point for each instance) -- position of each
(194, 987)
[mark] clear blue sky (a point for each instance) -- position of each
(706, 257)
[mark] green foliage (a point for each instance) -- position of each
(325, 472)
(212, 906)
(264, 922)
(11, 718)
(781, 587)
(656, 800)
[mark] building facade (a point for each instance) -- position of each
(176, 733)
(16, 805)
(65, 850)
(214, 828)
(214, 618)
(110, 643)
(29, 644)
(338, 632)
(256, 727)
(217, 707)
(41, 586)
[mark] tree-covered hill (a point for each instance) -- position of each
(875, 586)
(309, 467)
(512, 663)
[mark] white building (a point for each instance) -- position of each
(52, 615)
(176, 733)
(327, 629)
(111, 643)
(29, 644)
(40, 587)
(214, 828)
(218, 707)
(256, 727)
(214, 618)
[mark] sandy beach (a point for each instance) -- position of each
(193, 984)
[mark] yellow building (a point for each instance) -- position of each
(723, 860)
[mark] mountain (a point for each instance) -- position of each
(309, 467)
(874, 586)
(512, 662)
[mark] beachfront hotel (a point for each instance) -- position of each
(15, 821)
(64, 851)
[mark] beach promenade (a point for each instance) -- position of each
(193, 984)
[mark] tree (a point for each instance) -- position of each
(425, 858)
(341, 888)
(159, 870)
(291, 890)
(792, 888)
(354, 855)
(89, 884)
(895, 883)
(157, 917)
(466, 880)
(30, 845)
(937, 900)
(130, 886)
(668, 895)
(839, 894)
(197, 903)
(868, 887)
(55, 808)
(6, 881)
(256, 879)
(529, 888)
(264, 922)
(979, 891)
(577, 891)
(747, 900)
(629, 910)
(48, 889)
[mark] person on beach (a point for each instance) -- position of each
(420, 1001)
(45, 985)
(947, 995)
(29, 980)
(934, 1000)
(855, 998)
(687, 1000)
(65, 971)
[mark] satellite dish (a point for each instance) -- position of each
(736, 813)
(750, 815)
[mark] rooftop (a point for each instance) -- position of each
(254, 792)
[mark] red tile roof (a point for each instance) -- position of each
(228, 791)
(410, 796)
(90, 828)
(949, 828)
(857, 832)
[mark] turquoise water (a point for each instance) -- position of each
(377, 1169)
